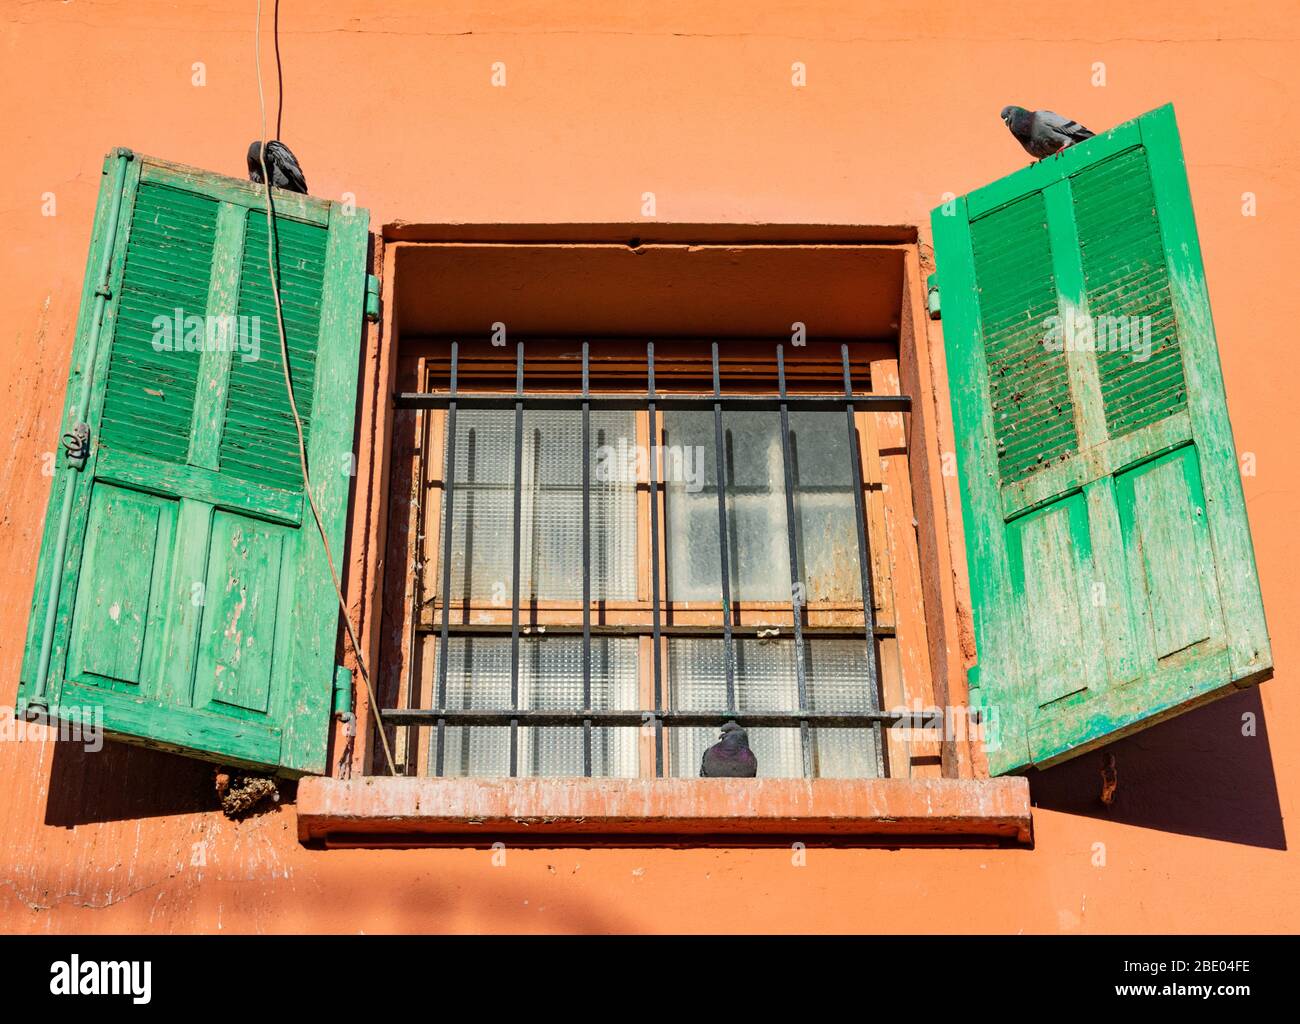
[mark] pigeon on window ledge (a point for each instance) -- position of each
(730, 757)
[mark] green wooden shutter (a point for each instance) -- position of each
(1112, 573)
(195, 605)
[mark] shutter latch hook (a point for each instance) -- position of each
(76, 445)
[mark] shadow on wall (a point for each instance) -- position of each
(1195, 775)
(122, 782)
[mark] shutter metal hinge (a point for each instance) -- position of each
(342, 690)
(373, 302)
(932, 297)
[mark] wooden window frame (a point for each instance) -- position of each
(946, 796)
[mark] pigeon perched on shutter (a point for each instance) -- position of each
(730, 757)
(1041, 132)
(281, 165)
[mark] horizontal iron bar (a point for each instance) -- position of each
(635, 403)
(679, 719)
(780, 632)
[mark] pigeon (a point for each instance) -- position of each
(281, 164)
(730, 757)
(1041, 132)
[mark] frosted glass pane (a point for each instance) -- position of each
(550, 679)
(836, 672)
(550, 510)
(758, 547)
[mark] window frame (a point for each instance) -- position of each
(957, 800)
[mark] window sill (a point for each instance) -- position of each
(383, 811)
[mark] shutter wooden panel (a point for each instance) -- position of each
(1029, 385)
(1125, 275)
(1112, 575)
(149, 400)
(195, 608)
(259, 441)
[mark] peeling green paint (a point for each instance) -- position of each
(196, 606)
(1112, 575)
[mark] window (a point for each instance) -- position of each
(595, 556)
(505, 694)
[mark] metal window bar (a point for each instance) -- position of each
(586, 558)
(654, 402)
(796, 577)
(728, 645)
(673, 718)
(656, 653)
(664, 402)
(632, 629)
(864, 564)
(448, 497)
(516, 541)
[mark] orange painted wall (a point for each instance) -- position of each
(693, 101)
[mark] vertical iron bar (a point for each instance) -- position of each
(448, 492)
(586, 558)
(796, 582)
(515, 541)
(653, 438)
(728, 652)
(864, 564)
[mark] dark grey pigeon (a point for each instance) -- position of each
(730, 757)
(281, 165)
(1041, 132)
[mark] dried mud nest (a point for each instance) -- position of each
(243, 793)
